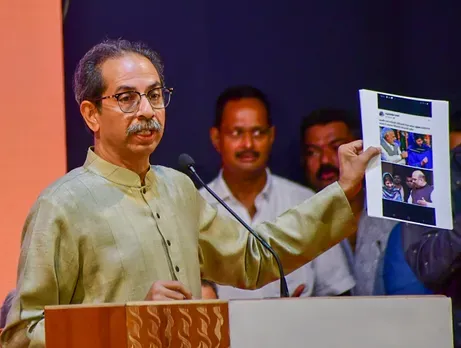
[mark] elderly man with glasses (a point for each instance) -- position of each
(118, 229)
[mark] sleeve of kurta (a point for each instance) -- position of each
(230, 255)
(47, 273)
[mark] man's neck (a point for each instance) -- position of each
(246, 188)
(139, 165)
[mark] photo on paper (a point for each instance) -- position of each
(410, 180)
(408, 193)
(407, 148)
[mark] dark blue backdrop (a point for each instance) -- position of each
(303, 54)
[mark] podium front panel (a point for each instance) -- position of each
(355, 322)
(86, 326)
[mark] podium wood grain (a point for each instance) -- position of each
(201, 324)
(186, 324)
(86, 326)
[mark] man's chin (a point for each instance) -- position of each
(143, 149)
(250, 168)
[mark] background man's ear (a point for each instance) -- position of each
(215, 138)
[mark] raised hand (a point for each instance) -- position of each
(353, 162)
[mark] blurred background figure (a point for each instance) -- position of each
(435, 254)
(209, 290)
(243, 134)
(323, 131)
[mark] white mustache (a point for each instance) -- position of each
(151, 125)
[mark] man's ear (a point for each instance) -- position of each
(90, 115)
(215, 137)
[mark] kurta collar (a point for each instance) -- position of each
(116, 174)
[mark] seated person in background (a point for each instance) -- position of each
(209, 290)
(389, 190)
(322, 132)
(6, 308)
(390, 149)
(243, 134)
(419, 153)
(398, 277)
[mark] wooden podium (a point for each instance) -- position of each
(138, 325)
(358, 322)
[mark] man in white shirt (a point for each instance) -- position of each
(243, 135)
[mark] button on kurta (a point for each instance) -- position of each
(177, 269)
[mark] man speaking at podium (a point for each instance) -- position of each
(118, 229)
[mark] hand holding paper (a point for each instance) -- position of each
(413, 135)
(352, 164)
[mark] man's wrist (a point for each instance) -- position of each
(349, 189)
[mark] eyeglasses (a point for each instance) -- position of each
(129, 101)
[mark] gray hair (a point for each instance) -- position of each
(88, 82)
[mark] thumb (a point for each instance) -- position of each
(369, 153)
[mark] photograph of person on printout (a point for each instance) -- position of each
(412, 201)
(402, 147)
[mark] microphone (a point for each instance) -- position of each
(186, 163)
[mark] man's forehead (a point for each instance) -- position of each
(129, 69)
(245, 113)
(327, 133)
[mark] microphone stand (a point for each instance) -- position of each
(283, 282)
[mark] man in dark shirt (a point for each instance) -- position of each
(435, 254)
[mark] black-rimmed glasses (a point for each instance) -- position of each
(129, 101)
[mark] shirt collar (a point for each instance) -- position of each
(224, 192)
(116, 174)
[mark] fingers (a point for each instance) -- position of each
(168, 290)
(369, 153)
(354, 146)
(168, 294)
(179, 287)
(357, 148)
(298, 291)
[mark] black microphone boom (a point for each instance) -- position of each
(186, 163)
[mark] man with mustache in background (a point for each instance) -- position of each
(243, 135)
(323, 131)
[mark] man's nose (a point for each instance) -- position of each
(327, 156)
(145, 109)
(247, 140)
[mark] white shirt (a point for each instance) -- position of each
(327, 275)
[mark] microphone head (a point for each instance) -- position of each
(185, 162)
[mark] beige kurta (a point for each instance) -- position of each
(96, 235)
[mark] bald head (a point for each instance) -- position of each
(419, 179)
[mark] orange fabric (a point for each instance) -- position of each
(32, 145)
